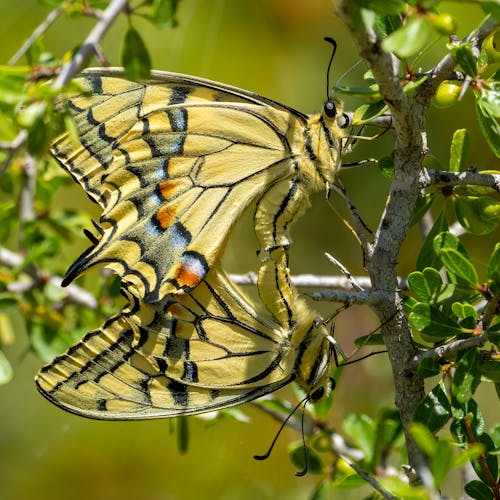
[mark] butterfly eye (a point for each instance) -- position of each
(344, 121)
(330, 109)
(318, 394)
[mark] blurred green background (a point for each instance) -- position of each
(275, 48)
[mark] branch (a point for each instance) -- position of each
(448, 351)
(37, 32)
(429, 177)
(71, 68)
(74, 293)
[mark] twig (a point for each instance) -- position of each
(345, 272)
(349, 298)
(449, 350)
(71, 68)
(37, 32)
(444, 70)
(315, 281)
(74, 293)
(429, 177)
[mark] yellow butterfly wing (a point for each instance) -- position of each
(187, 354)
(174, 161)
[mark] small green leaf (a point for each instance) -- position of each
(463, 311)
(386, 166)
(135, 56)
(426, 284)
(490, 371)
(490, 128)
(409, 39)
(467, 376)
(424, 202)
(297, 456)
(456, 264)
(490, 98)
(428, 368)
(362, 430)
(494, 270)
(368, 112)
(163, 13)
(478, 490)
(434, 410)
(433, 323)
(428, 257)
(424, 438)
(464, 56)
(442, 461)
(322, 491)
(477, 214)
(459, 150)
(6, 372)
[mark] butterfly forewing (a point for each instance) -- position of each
(188, 354)
(174, 161)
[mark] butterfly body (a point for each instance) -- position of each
(188, 354)
(174, 161)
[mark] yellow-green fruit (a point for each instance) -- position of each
(444, 24)
(446, 94)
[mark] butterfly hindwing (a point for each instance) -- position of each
(188, 354)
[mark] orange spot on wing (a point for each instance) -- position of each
(186, 277)
(167, 188)
(165, 216)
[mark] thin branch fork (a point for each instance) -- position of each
(449, 350)
(74, 293)
(429, 177)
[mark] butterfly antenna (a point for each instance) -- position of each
(334, 44)
(303, 472)
(283, 425)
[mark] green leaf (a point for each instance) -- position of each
(424, 202)
(135, 56)
(442, 461)
(429, 367)
(494, 270)
(490, 98)
(490, 371)
(467, 376)
(490, 128)
(464, 56)
(322, 491)
(362, 430)
(428, 257)
(456, 264)
(315, 464)
(6, 372)
(426, 284)
(409, 39)
(464, 310)
(163, 13)
(368, 112)
(478, 490)
(424, 438)
(432, 322)
(434, 410)
(477, 214)
(491, 461)
(386, 166)
(459, 150)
